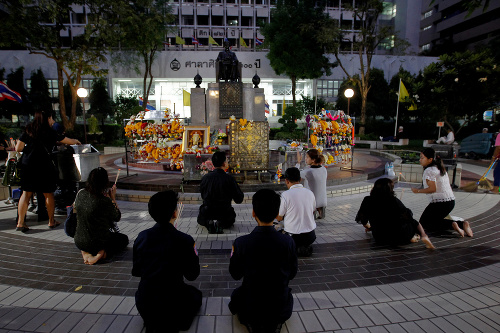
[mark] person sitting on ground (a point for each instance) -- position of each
(442, 200)
(448, 139)
(217, 190)
(266, 260)
(393, 138)
(96, 213)
(297, 211)
(162, 257)
(387, 217)
(315, 179)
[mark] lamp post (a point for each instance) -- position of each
(348, 93)
(82, 93)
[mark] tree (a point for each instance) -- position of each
(40, 28)
(100, 102)
(144, 28)
(39, 94)
(125, 107)
(308, 105)
(293, 50)
(460, 86)
(366, 41)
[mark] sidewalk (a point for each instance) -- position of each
(348, 285)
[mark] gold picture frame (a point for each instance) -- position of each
(195, 136)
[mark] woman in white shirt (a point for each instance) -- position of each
(315, 178)
(442, 201)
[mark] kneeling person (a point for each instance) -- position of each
(162, 257)
(297, 210)
(266, 260)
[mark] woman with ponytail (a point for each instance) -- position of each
(442, 201)
(315, 178)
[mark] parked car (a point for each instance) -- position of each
(477, 146)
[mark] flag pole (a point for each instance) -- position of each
(397, 108)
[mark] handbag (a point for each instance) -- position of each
(12, 176)
(70, 222)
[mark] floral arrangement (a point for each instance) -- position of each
(279, 170)
(221, 134)
(205, 167)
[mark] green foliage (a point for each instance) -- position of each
(460, 86)
(307, 105)
(10, 131)
(293, 50)
(289, 119)
(74, 57)
(100, 102)
(295, 135)
(144, 27)
(125, 107)
(93, 125)
(272, 133)
(39, 94)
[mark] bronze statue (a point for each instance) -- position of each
(227, 65)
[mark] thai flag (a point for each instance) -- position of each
(195, 41)
(267, 110)
(148, 107)
(7, 93)
(258, 41)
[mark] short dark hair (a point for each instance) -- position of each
(266, 205)
(161, 206)
(292, 174)
(218, 159)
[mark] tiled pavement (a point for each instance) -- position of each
(348, 285)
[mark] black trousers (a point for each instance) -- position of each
(117, 242)
(304, 239)
(225, 215)
(433, 217)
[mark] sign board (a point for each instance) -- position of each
(440, 124)
(249, 145)
(488, 115)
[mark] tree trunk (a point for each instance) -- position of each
(62, 106)
(362, 120)
(294, 85)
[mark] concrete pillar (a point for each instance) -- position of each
(198, 107)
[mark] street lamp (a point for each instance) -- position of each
(348, 93)
(82, 93)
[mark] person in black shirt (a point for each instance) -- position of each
(266, 260)
(162, 257)
(217, 190)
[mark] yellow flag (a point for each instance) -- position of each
(403, 93)
(413, 106)
(179, 40)
(242, 42)
(212, 41)
(186, 98)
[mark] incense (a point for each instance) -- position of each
(117, 174)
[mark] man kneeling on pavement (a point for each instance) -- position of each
(266, 260)
(297, 210)
(217, 190)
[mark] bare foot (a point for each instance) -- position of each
(93, 259)
(86, 257)
(415, 239)
(457, 229)
(467, 229)
(428, 243)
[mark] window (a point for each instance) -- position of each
(328, 88)
(246, 21)
(389, 9)
(280, 89)
(427, 14)
(426, 47)
(202, 19)
(232, 20)
(188, 20)
(387, 43)
(217, 20)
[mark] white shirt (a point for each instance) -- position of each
(450, 138)
(315, 180)
(297, 207)
(443, 189)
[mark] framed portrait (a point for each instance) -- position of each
(198, 136)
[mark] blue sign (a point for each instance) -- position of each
(488, 115)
